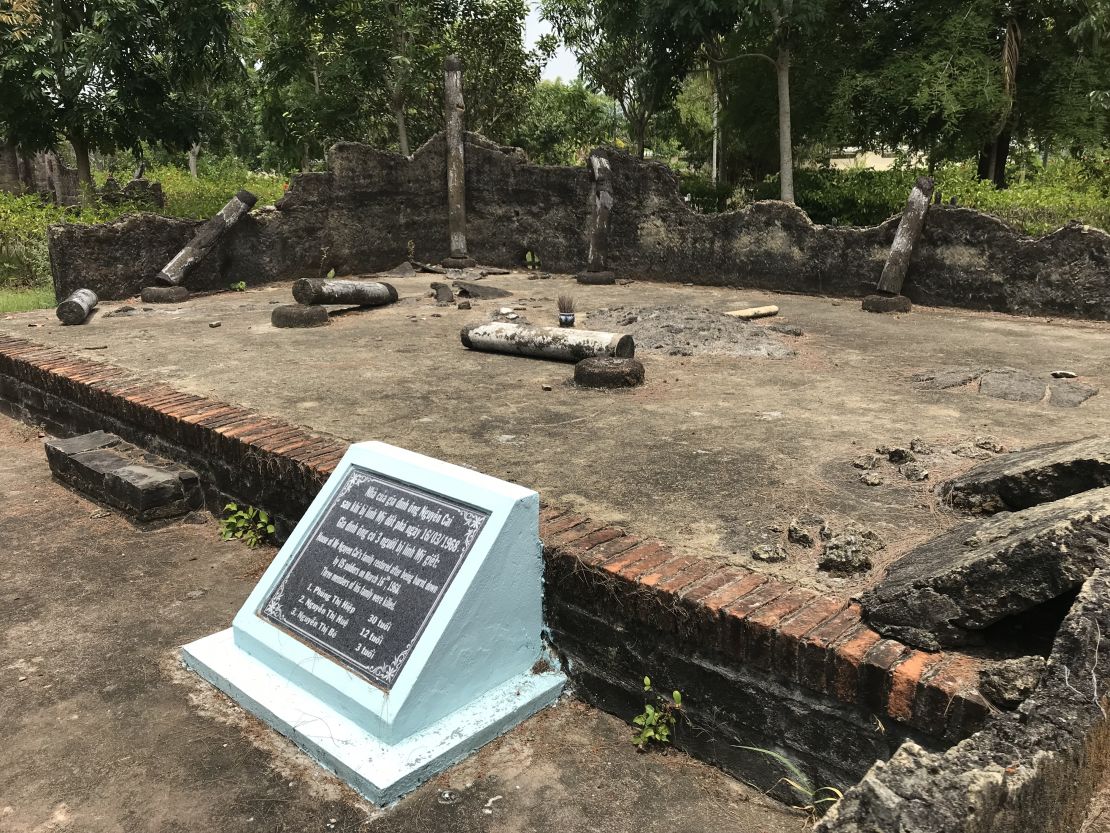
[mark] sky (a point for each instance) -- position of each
(562, 65)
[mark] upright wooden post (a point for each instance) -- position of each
(597, 271)
(456, 163)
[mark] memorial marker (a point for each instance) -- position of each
(397, 629)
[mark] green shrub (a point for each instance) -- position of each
(1037, 203)
(24, 257)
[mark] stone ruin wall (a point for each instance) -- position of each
(361, 215)
(1033, 769)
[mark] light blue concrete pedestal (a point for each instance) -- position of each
(464, 678)
(380, 772)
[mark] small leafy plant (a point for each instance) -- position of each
(250, 525)
(817, 800)
(531, 260)
(658, 720)
(566, 304)
(239, 286)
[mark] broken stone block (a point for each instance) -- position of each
(1013, 385)
(848, 553)
(1009, 682)
(1031, 477)
(870, 478)
(142, 486)
(948, 591)
(867, 462)
(1065, 394)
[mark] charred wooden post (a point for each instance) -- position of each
(547, 342)
(310, 291)
(909, 231)
(76, 308)
(454, 110)
(602, 176)
(205, 239)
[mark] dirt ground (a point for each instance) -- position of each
(716, 454)
(102, 731)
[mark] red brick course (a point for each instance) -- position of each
(790, 632)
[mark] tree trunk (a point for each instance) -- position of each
(194, 152)
(84, 167)
(1001, 157)
(402, 129)
(786, 148)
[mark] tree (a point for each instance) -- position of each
(372, 69)
(563, 122)
(724, 31)
(959, 78)
(615, 56)
(106, 74)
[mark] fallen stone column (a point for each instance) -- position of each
(205, 239)
(309, 291)
(909, 230)
(76, 308)
(547, 342)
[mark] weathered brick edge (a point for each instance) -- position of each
(793, 633)
(260, 459)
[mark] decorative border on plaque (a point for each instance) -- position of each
(372, 532)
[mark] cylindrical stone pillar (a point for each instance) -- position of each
(454, 110)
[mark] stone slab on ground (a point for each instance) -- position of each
(141, 485)
(102, 731)
(948, 591)
(1032, 476)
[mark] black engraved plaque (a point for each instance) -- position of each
(367, 578)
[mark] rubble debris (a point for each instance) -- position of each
(1009, 682)
(679, 330)
(914, 472)
(947, 591)
(898, 455)
(870, 478)
(849, 552)
(797, 534)
(769, 553)
(787, 329)
(867, 462)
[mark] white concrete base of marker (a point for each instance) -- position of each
(395, 631)
(381, 773)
